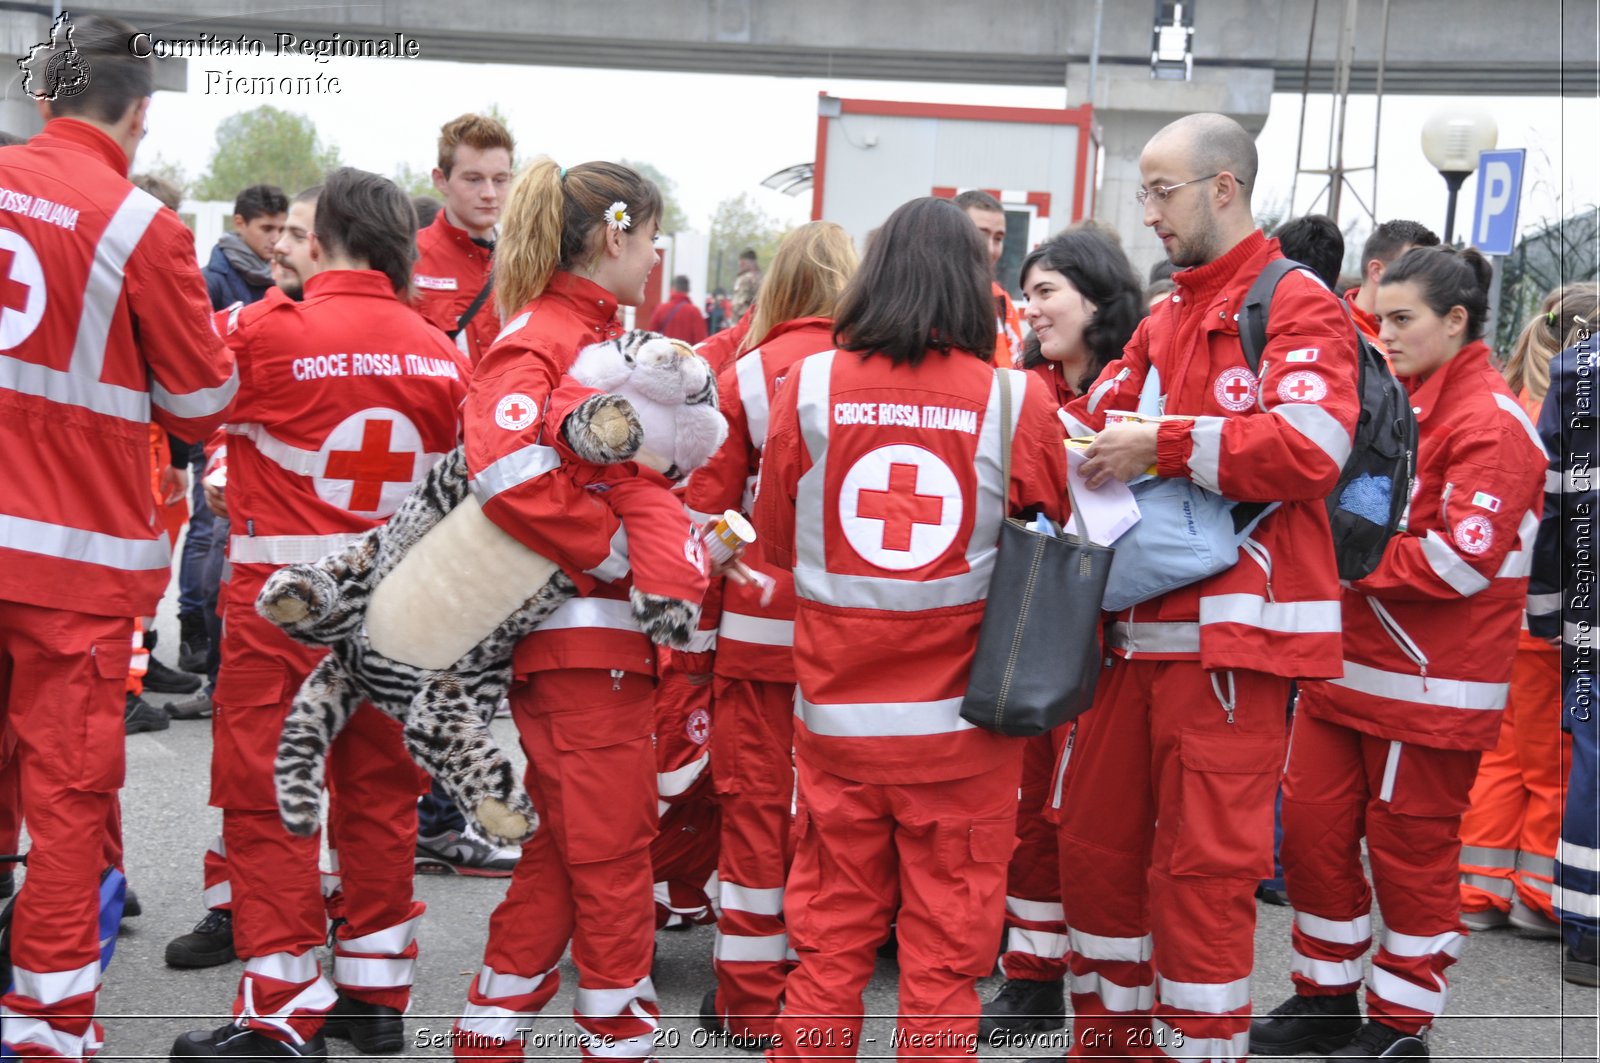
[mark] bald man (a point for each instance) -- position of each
(1167, 810)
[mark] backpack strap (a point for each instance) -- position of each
(1257, 303)
(472, 309)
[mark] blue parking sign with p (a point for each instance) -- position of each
(1494, 219)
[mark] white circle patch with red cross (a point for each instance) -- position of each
(698, 726)
(1235, 389)
(1474, 534)
(514, 412)
(369, 462)
(900, 507)
(1302, 385)
(22, 294)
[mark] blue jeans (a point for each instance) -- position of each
(211, 581)
(436, 813)
(1577, 893)
(192, 578)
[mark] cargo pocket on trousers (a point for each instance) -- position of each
(250, 710)
(1226, 787)
(99, 761)
(607, 772)
(971, 903)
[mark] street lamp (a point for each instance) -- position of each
(1451, 139)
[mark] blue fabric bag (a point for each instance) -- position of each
(1185, 533)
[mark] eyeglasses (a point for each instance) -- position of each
(1164, 192)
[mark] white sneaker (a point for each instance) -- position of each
(464, 853)
(1488, 919)
(1533, 921)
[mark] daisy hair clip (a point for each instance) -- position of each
(617, 217)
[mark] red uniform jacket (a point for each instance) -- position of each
(104, 324)
(1283, 438)
(754, 641)
(1428, 637)
(450, 272)
(1055, 382)
(512, 454)
(345, 401)
(679, 318)
(1008, 329)
(1367, 323)
(721, 350)
(882, 485)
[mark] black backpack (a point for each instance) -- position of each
(1368, 505)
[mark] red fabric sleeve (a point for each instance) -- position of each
(719, 484)
(663, 543)
(1039, 455)
(780, 478)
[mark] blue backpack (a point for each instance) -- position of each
(113, 890)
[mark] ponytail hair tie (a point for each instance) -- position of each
(1550, 317)
(563, 174)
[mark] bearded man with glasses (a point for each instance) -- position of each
(1167, 808)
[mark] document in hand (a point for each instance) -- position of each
(1109, 510)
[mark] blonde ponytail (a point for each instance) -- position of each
(529, 249)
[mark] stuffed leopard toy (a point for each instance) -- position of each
(479, 591)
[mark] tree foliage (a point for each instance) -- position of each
(738, 223)
(265, 146)
(673, 219)
(169, 171)
(415, 182)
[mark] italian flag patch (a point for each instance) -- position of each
(1484, 500)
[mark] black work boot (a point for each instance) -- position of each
(1023, 1006)
(373, 1028)
(236, 1042)
(1306, 1024)
(209, 944)
(192, 642)
(139, 716)
(1377, 1041)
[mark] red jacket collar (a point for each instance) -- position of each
(678, 297)
(583, 297)
(1199, 282)
(1367, 323)
(798, 324)
(84, 136)
(349, 282)
(441, 221)
(1470, 361)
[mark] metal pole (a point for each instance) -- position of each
(1453, 179)
(1377, 118)
(1347, 55)
(1305, 89)
(1491, 327)
(1094, 55)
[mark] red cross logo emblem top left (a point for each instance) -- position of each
(370, 461)
(22, 294)
(900, 507)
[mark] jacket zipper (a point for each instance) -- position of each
(1398, 634)
(1263, 557)
(616, 678)
(1100, 392)
(1444, 501)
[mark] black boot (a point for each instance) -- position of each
(373, 1028)
(160, 679)
(139, 716)
(710, 1020)
(193, 643)
(1306, 1024)
(1581, 964)
(1021, 1007)
(209, 944)
(235, 1042)
(1377, 1041)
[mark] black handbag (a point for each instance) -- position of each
(1038, 650)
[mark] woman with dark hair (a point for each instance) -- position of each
(882, 487)
(1389, 751)
(575, 244)
(1084, 301)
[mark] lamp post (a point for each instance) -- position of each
(1451, 139)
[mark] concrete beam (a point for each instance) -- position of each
(1435, 46)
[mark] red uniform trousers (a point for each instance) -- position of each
(929, 857)
(1513, 820)
(1036, 928)
(1407, 801)
(278, 915)
(585, 875)
(61, 697)
(1167, 810)
(753, 749)
(684, 853)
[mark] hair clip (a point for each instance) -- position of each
(1550, 317)
(616, 217)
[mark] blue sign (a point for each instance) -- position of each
(1494, 218)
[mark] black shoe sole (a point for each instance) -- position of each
(999, 1032)
(359, 1033)
(193, 661)
(1576, 972)
(190, 960)
(179, 683)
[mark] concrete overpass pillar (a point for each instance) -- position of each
(1132, 107)
(19, 31)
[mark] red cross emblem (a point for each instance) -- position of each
(13, 293)
(1474, 535)
(698, 726)
(514, 412)
(1235, 389)
(900, 507)
(1302, 386)
(370, 467)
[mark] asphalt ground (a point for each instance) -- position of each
(1507, 1000)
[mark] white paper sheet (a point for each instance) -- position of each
(1108, 511)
